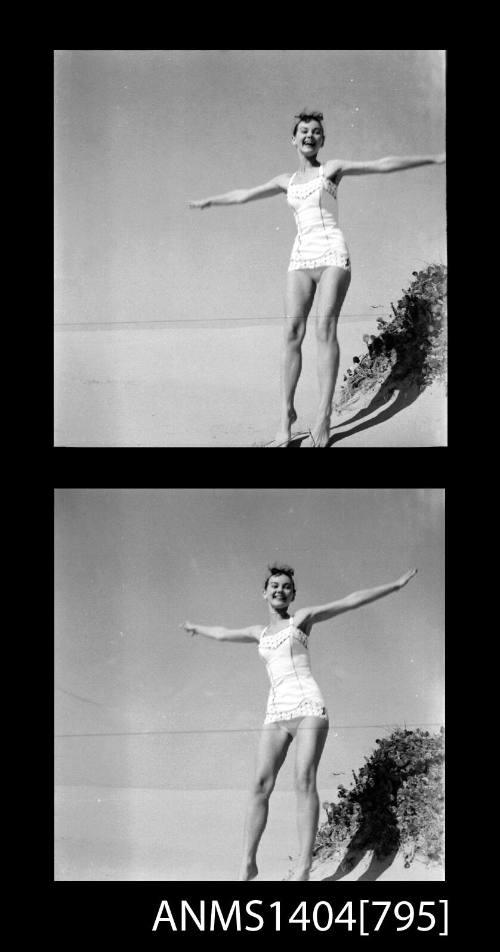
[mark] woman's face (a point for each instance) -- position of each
(279, 592)
(308, 138)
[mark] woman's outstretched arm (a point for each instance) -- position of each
(241, 195)
(252, 633)
(307, 617)
(337, 168)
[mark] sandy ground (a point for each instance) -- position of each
(104, 833)
(208, 386)
(366, 868)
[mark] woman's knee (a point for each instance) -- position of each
(295, 329)
(326, 329)
(305, 780)
(263, 786)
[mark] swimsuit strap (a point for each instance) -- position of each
(281, 629)
(321, 174)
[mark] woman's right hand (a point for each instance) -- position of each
(189, 628)
(201, 203)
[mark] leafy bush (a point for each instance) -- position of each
(397, 801)
(411, 347)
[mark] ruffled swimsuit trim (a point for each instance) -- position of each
(338, 259)
(304, 189)
(304, 709)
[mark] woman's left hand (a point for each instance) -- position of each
(401, 582)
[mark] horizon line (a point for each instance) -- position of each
(194, 320)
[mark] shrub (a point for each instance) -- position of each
(410, 349)
(396, 802)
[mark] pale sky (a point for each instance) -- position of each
(132, 564)
(140, 132)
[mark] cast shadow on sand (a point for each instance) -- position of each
(390, 399)
(353, 856)
(393, 396)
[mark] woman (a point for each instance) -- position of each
(295, 705)
(319, 262)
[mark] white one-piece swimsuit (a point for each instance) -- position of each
(319, 241)
(294, 692)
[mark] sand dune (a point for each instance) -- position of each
(117, 834)
(113, 833)
(209, 386)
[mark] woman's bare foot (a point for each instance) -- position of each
(248, 871)
(284, 433)
(320, 434)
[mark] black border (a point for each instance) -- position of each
(98, 911)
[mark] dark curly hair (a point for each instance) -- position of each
(278, 569)
(305, 116)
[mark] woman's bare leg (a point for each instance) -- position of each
(300, 289)
(332, 289)
(274, 743)
(311, 737)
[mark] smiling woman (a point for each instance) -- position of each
(274, 570)
(320, 262)
(295, 708)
